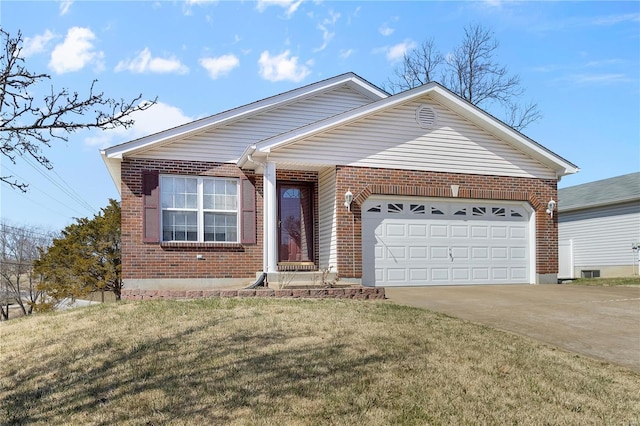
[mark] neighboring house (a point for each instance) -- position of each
(599, 228)
(417, 188)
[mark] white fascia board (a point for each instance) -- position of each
(367, 89)
(340, 119)
(194, 127)
(114, 168)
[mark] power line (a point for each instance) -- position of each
(33, 231)
(47, 176)
(44, 193)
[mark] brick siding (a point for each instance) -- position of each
(364, 181)
(178, 260)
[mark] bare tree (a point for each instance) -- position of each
(470, 71)
(27, 125)
(418, 68)
(19, 248)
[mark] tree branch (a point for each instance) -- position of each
(28, 125)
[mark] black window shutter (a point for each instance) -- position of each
(150, 207)
(248, 212)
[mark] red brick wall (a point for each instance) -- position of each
(363, 182)
(140, 260)
(178, 260)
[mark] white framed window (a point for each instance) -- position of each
(199, 209)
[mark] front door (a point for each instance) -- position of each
(295, 222)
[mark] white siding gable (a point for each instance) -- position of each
(227, 143)
(392, 138)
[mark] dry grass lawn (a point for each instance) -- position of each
(263, 362)
(626, 281)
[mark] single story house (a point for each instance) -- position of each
(599, 228)
(417, 188)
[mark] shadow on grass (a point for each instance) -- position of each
(191, 375)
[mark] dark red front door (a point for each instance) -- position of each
(296, 223)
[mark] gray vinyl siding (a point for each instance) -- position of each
(393, 139)
(601, 236)
(327, 218)
(227, 143)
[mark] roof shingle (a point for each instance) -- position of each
(614, 190)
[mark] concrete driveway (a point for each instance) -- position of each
(600, 322)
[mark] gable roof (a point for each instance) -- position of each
(112, 156)
(603, 192)
(442, 95)
(380, 101)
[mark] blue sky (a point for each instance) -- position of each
(579, 61)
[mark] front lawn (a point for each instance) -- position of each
(283, 362)
(626, 281)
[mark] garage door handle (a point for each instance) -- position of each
(450, 254)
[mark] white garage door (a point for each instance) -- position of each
(415, 242)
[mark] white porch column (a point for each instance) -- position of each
(270, 219)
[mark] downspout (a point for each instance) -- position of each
(261, 281)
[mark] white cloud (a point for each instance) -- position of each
(545, 68)
(188, 4)
(144, 63)
(327, 35)
(199, 2)
(220, 66)
(75, 52)
(64, 6)
(346, 53)
(385, 30)
(580, 22)
(290, 6)
(397, 51)
(159, 117)
(36, 44)
(601, 79)
(616, 19)
(282, 67)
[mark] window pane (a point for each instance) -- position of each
(179, 226)
(219, 186)
(207, 202)
(232, 187)
(192, 185)
(192, 201)
(232, 202)
(208, 186)
(166, 192)
(220, 227)
(178, 185)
